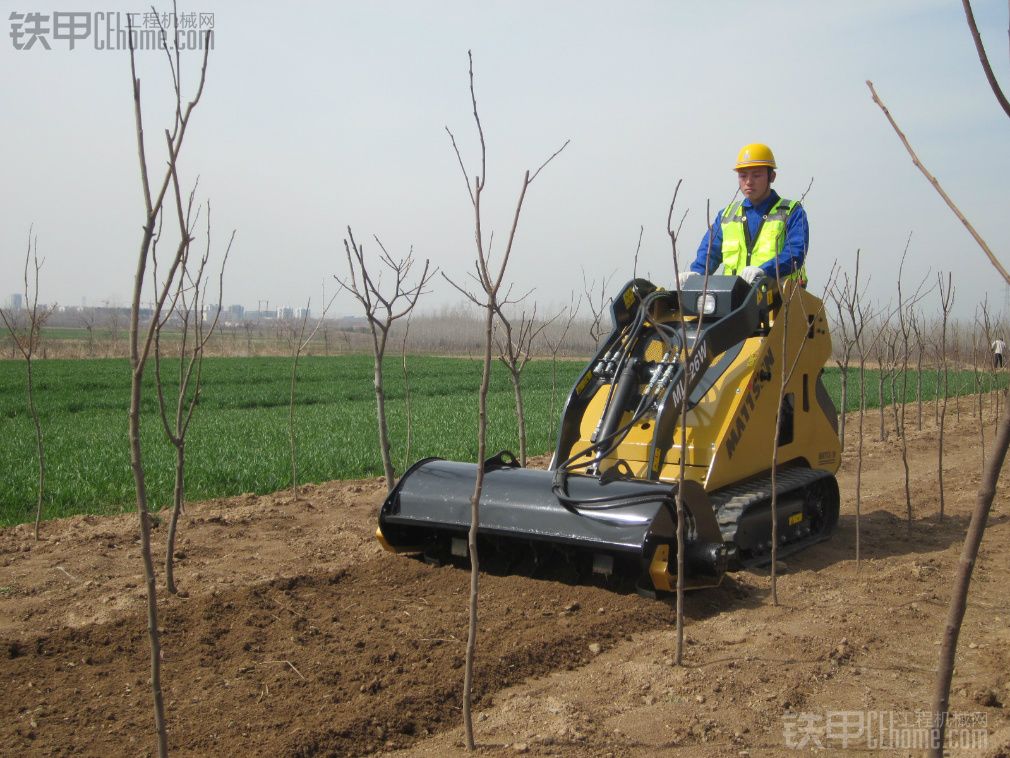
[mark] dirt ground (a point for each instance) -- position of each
(296, 635)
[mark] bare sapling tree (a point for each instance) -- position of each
(788, 291)
(954, 356)
(554, 342)
(979, 350)
(943, 374)
(792, 352)
(87, 319)
(893, 364)
(987, 363)
(998, 381)
(141, 335)
(514, 341)
(686, 359)
(300, 344)
(406, 394)
(382, 310)
(26, 338)
(879, 344)
(638, 249)
(900, 404)
(598, 300)
(853, 312)
(870, 325)
(918, 324)
(933, 344)
(903, 335)
(196, 323)
(860, 316)
(489, 277)
(841, 296)
(987, 488)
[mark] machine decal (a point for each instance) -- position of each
(748, 403)
(583, 382)
(698, 362)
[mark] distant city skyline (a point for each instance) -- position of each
(15, 301)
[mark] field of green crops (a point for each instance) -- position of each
(238, 441)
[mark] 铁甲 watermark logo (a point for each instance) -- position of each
(882, 730)
(101, 30)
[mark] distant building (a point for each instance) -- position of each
(235, 313)
(301, 313)
(285, 313)
(14, 302)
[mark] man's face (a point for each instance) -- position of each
(755, 182)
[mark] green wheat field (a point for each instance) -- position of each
(239, 440)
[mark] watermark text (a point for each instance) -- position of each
(882, 730)
(103, 30)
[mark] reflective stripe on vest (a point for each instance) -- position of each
(771, 238)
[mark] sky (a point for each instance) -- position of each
(317, 116)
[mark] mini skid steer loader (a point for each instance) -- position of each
(607, 504)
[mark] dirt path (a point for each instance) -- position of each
(299, 636)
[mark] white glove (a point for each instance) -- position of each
(751, 273)
(684, 276)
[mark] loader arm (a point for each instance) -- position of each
(737, 312)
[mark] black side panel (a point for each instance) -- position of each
(827, 404)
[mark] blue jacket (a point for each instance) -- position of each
(794, 252)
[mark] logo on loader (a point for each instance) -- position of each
(749, 402)
(695, 365)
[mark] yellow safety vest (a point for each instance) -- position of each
(739, 251)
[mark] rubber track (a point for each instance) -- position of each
(730, 503)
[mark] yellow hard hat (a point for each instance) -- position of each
(755, 154)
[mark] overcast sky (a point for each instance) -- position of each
(319, 115)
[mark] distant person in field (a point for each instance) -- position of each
(763, 233)
(998, 352)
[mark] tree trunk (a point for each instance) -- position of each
(841, 421)
(918, 390)
(406, 399)
(380, 409)
(40, 446)
(681, 526)
(471, 634)
(292, 441)
(962, 581)
(894, 400)
(520, 415)
(145, 551)
(880, 400)
(859, 454)
(936, 408)
(981, 420)
(177, 500)
(554, 385)
(904, 442)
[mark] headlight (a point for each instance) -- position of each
(705, 304)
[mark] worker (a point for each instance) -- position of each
(763, 233)
(998, 350)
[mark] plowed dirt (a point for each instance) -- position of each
(295, 634)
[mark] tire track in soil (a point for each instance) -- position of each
(341, 663)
